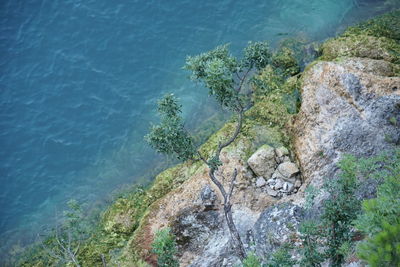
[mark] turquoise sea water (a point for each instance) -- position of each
(79, 81)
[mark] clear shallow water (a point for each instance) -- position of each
(79, 81)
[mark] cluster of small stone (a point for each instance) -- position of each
(276, 174)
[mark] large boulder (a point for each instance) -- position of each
(276, 226)
(263, 162)
(350, 106)
(288, 171)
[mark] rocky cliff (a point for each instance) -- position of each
(350, 105)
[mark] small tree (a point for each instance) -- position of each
(226, 78)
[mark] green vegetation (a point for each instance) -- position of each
(281, 257)
(170, 137)
(251, 261)
(386, 25)
(340, 210)
(378, 38)
(227, 79)
(285, 61)
(62, 245)
(333, 235)
(380, 220)
(311, 235)
(164, 246)
(383, 248)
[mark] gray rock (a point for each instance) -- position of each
(350, 109)
(278, 184)
(297, 184)
(287, 187)
(193, 227)
(262, 162)
(288, 170)
(352, 84)
(281, 151)
(275, 226)
(278, 160)
(218, 246)
(248, 174)
(271, 192)
(271, 181)
(208, 196)
(260, 182)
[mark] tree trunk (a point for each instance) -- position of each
(237, 241)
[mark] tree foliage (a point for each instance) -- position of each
(224, 75)
(281, 257)
(324, 239)
(170, 136)
(215, 70)
(257, 55)
(341, 209)
(383, 248)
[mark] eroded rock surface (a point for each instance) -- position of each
(350, 106)
(276, 226)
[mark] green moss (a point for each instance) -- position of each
(124, 217)
(386, 25)
(275, 108)
(377, 38)
(285, 61)
(362, 45)
(266, 82)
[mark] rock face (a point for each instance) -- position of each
(194, 210)
(349, 106)
(276, 226)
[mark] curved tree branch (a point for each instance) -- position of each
(237, 242)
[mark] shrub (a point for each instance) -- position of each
(281, 257)
(285, 61)
(327, 238)
(164, 246)
(311, 232)
(340, 209)
(380, 219)
(383, 248)
(251, 261)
